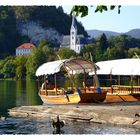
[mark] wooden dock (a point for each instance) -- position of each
(113, 113)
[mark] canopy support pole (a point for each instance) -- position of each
(111, 83)
(119, 83)
(119, 80)
(138, 80)
(94, 85)
(55, 84)
(38, 82)
(131, 82)
(72, 80)
(96, 80)
(45, 84)
(84, 83)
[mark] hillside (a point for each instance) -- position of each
(96, 33)
(19, 24)
(134, 33)
(45, 21)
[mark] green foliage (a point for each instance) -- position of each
(101, 8)
(9, 37)
(83, 10)
(23, 12)
(124, 40)
(46, 16)
(98, 53)
(87, 50)
(21, 66)
(103, 42)
(118, 47)
(134, 52)
(36, 59)
(9, 68)
(66, 53)
(122, 46)
(40, 55)
(115, 53)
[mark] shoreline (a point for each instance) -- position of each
(118, 114)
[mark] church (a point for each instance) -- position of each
(74, 41)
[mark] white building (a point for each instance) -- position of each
(74, 41)
(24, 49)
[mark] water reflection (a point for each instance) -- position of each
(58, 132)
(17, 93)
(38, 126)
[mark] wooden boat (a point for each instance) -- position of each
(119, 69)
(74, 95)
(122, 98)
(120, 93)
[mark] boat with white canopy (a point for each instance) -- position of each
(55, 95)
(121, 68)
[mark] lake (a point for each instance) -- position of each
(24, 93)
(17, 93)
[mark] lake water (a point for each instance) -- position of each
(19, 93)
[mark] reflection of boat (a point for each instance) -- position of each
(54, 95)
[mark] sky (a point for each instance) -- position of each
(129, 18)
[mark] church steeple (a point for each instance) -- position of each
(73, 25)
(73, 33)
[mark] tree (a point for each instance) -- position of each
(21, 66)
(83, 10)
(40, 55)
(66, 53)
(98, 53)
(60, 9)
(23, 12)
(103, 42)
(115, 53)
(37, 58)
(85, 53)
(123, 40)
(9, 68)
(9, 36)
(134, 52)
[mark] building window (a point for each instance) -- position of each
(73, 33)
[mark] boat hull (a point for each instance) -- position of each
(93, 97)
(122, 98)
(61, 99)
(74, 98)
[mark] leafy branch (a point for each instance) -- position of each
(83, 10)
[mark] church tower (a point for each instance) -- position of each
(73, 34)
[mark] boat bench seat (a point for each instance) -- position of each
(53, 92)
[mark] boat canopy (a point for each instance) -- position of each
(119, 67)
(73, 66)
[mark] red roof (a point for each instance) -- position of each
(26, 46)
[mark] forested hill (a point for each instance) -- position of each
(47, 16)
(20, 24)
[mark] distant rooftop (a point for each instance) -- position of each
(26, 46)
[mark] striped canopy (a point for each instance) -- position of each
(72, 66)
